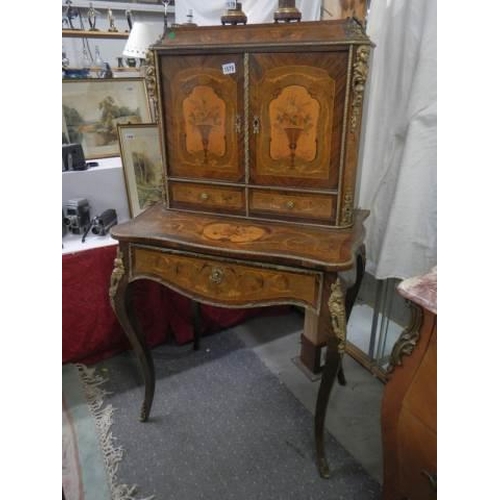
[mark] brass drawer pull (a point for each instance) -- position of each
(290, 204)
(237, 124)
(217, 275)
(203, 196)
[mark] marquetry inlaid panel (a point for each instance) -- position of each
(227, 283)
(203, 113)
(288, 244)
(292, 204)
(298, 104)
(207, 197)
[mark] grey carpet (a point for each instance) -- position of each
(222, 427)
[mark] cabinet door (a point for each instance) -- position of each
(201, 115)
(297, 110)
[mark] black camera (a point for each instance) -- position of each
(101, 224)
(77, 218)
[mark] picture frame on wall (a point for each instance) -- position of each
(93, 108)
(140, 151)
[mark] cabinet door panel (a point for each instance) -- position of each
(297, 102)
(202, 117)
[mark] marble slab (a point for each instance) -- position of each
(422, 290)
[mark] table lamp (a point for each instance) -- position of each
(141, 37)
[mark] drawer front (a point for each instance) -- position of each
(207, 197)
(417, 457)
(227, 283)
(289, 204)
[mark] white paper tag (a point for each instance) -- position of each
(228, 68)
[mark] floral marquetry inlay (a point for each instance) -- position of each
(205, 116)
(295, 107)
(233, 232)
(294, 119)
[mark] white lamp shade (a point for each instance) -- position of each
(141, 37)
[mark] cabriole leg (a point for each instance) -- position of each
(334, 304)
(121, 301)
(351, 295)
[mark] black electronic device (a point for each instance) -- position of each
(77, 217)
(101, 224)
(73, 157)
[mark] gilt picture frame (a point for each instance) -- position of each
(140, 151)
(93, 108)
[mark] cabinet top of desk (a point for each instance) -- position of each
(303, 34)
(312, 247)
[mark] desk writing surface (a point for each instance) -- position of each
(289, 244)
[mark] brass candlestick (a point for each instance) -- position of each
(287, 12)
(234, 16)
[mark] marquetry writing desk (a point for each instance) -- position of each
(235, 262)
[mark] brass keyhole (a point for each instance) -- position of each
(290, 204)
(256, 124)
(203, 196)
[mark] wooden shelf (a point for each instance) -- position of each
(94, 34)
(126, 69)
(135, 7)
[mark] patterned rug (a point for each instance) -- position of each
(90, 457)
(222, 427)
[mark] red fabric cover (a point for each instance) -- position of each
(90, 329)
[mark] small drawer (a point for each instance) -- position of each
(289, 204)
(206, 197)
(227, 283)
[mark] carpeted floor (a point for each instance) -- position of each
(222, 427)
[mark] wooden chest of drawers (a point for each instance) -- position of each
(263, 121)
(409, 405)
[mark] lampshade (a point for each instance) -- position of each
(141, 37)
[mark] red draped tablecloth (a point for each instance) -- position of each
(90, 329)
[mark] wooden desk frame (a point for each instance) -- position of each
(159, 245)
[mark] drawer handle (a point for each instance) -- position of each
(432, 479)
(217, 275)
(237, 124)
(290, 204)
(203, 196)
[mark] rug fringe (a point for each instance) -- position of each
(103, 418)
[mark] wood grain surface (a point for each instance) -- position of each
(324, 248)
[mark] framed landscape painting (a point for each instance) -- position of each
(93, 108)
(142, 165)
